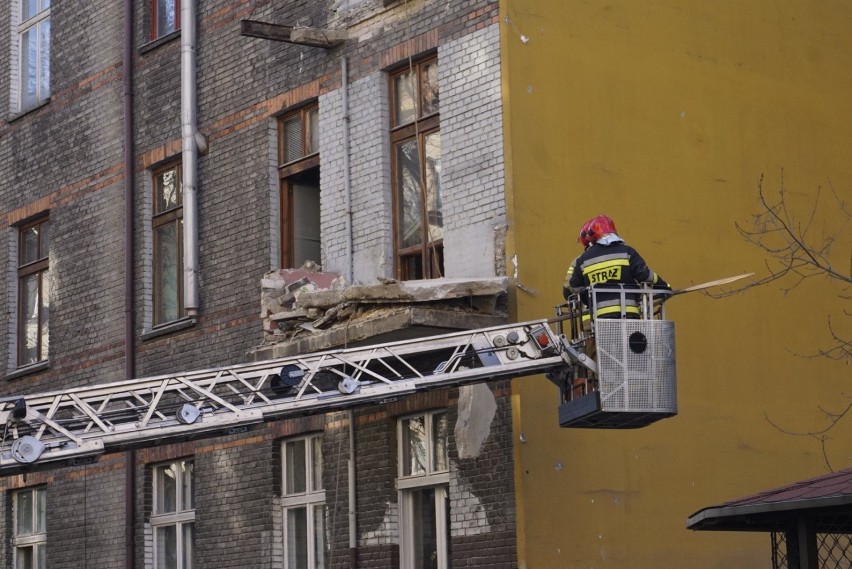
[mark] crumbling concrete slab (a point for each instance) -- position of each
(289, 315)
(281, 288)
(477, 407)
(317, 37)
(378, 326)
(307, 310)
(407, 291)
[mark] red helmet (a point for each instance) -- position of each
(598, 227)
(584, 234)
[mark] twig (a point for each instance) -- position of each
(820, 435)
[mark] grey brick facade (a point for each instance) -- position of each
(65, 158)
(472, 138)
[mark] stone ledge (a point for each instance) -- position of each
(382, 325)
(406, 292)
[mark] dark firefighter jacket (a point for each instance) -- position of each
(609, 266)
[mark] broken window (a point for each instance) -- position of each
(29, 528)
(165, 17)
(33, 291)
(416, 158)
(423, 485)
(303, 503)
(167, 222)
(173, 515)
(299, 175)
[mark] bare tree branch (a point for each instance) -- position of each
(821, 435)
(841, 351)
(787, 242)
(798, 248)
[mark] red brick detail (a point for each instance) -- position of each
(298, 426)
(159, 154)
(104, 178)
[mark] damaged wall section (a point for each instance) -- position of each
(472, 176)
(307, 310)
(480, 490)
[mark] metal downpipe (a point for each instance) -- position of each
(129, 257)
(189, 157)
(353, 514)
(347, 175)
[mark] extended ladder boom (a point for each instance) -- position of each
(78, 424)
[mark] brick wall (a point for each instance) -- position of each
(472, 152)
(371, 204)
(483, 498)
(66, 157)
(481, 489)
(85, 513)
(233, 518)
(472, 174)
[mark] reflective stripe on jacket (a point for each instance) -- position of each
(610, 266)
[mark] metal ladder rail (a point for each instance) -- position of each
(84, 422)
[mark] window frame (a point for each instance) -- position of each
(433, 473)
(433, 478)
(155, 20)
(179, 518)
(419, 128)
(25, 270)
(160, 219)
(306, 114)
(36, 539)
(312, 498)
(22, 26)
(410, 532)
(290, 172)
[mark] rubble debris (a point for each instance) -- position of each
(306, 301)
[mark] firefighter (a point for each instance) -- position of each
(607, 263)
(584, 239)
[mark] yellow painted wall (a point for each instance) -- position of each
(664, 115)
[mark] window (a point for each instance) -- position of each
(298, 171)
(33, 291)
(173, 516)
(30, 534)
(33, 44)
(423, 483)
(165, 17)
(167, 223)
(303, 503)
(416, 147)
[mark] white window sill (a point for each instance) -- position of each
(422, 480)
(15, 116)
(169, 328)
(29, 369)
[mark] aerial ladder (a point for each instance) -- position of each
(610, 374)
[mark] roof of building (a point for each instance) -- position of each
(771, 510)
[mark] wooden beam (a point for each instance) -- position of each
(265, 30)
(312, 37)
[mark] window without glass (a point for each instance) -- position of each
(416, 147)
(423, 483)
(29, 528)
(173, 515)
(299, 173)
(33, 291)
(33, 36)
(165, 17)
(303, 503)
(167, 221)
